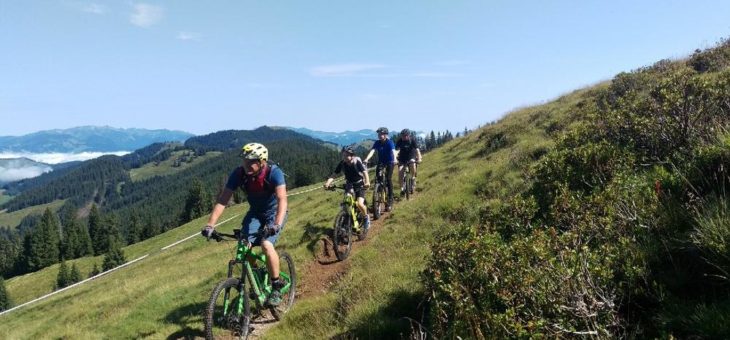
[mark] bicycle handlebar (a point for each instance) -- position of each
(218, 236)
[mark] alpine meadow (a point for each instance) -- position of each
(601, 214)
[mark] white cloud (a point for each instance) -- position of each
(57, 157)
(94, 8)
(146, 15)
(343, 70)
(188, 36)
(11, 173)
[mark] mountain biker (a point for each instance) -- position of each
(356, 176)
(407, 154)
(265, 190)
(386, 158)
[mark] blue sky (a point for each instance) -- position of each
(205, 66)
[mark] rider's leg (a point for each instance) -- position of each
(272, 258)
(401, 175)
(361, 205)
(412, 166)
(389, 182)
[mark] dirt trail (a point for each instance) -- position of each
(321, 273)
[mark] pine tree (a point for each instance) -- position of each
(5, 301)
(134, 228)
(151, 228)
(42, 246)
(62, 279)
(197, 202)
(11, 248)
(94, 271)
(95, 230)
(115, 256)
(75, 275)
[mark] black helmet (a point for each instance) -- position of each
(348, 150)
(382, 130)
(405, 132)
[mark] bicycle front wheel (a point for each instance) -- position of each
(289, 275)
(409, 187)
(342, 238)
(228, 308)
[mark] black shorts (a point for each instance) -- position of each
(358, 188)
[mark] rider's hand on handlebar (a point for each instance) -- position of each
(207, 232)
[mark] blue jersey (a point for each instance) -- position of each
(260, 189)
(385, 151)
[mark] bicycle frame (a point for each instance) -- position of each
(349, 205)
(260, 285)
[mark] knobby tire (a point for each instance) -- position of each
(231, 289)
(287, 300)
(342, 235)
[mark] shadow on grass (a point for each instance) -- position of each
(313, 234)
(401, 318)
(190, 320)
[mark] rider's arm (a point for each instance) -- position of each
(220, 205)
(370, 154)
(418, 154)
(283, 204)
(392, 149)
(366, 177)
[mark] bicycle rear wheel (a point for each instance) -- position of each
(289, 275)
(342, 238)
(228, 308)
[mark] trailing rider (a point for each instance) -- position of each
(407, 154)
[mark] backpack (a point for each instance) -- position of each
(268, 187)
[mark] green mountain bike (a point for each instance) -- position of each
(229, 307)
(350, 221)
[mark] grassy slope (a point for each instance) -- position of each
(165, 167)
(13, 219)
(163, 295)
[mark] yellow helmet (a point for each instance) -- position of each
(255, 151)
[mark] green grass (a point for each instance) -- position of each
(166, 167)
(12, 219)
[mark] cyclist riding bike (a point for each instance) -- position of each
(265, 190)
(386, 158)
(356, 177)
(407, 154)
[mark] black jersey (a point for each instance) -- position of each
(353, 170)
(407, 150)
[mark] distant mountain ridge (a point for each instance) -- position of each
(89, 139)
(339, 138)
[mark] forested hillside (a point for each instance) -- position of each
(130, 211)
